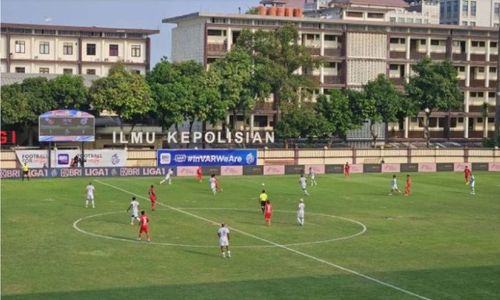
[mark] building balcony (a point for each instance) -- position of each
(417, 55)
(314, 51)
(264, 107)
(478, 57)
(477, 83)
(475, 134)
(333, 52)
(438, 56)
(398, 81)
(459, 56)
(216, 49)
(313, 78)
(493, 57)
(397, 55)
(333, 79)
(493, 84)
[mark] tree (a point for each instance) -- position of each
(386, 101)
(186, 92)
(69, 92)
(23, 103)
(277, 56)
(124, 93)
(434, 87)
(237, 85)
(15, 106)
(335, 108)
(302, 123)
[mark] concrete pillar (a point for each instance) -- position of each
(229, 38)
(468, 47)
(251, 124)
(408, 42)
(466, 118)
(407, 126)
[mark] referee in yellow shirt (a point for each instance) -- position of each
(26, 172)
(262, 199)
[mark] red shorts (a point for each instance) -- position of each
(152, 198)
(267, 216)
(144, 229)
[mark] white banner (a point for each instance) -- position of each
(63, 158)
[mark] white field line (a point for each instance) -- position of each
(279, 245)
(77, 222)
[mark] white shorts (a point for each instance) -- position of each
(395, 187)
(223, 242)
(213, 187)
(135, 214)
(90, 197)
(303, 186)
(300, 214)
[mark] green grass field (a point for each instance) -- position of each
(439, 243)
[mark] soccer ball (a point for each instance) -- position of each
(263, 184)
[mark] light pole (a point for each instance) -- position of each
(427, 135)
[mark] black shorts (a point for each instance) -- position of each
(262, 204)
(25, 172)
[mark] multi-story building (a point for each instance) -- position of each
(356, 52)
(394, 11)
(30, 48)
(470, 12)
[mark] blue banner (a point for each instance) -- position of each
(212, 157)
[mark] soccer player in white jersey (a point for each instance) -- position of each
(303, 183)
(213, 183)
(472, 184)
(300, 212)
(312, 177)
(90, 195)
(394, 185)
(168, 177)
(223, 234)
(134, 205)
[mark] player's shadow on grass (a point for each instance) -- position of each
(215, 252)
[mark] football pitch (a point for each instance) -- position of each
(357, 243)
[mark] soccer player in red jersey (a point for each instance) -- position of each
(268, 212)
(144, 226)
(408, 185)
(467, 174)
(199, 174)
(347, 169)
(152, 197)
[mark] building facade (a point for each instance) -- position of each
(394, 11)
(470, 12)
(30, 48)
(356, 52)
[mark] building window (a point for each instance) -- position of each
(91, 49)
(392, 19)
(465, 8)
(136, 51)
(472, 23)
(68, 49)
(354, 14)
(20, 47)
(44, 48)
(90, 72)
(473, 8)
(136, 72)
(113, 50)
(464, 23)
(67, 71)
(44, 71)
(491, 94)
(20, 70)
(493, 44)
(497, 10)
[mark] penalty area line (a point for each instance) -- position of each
(317, 259)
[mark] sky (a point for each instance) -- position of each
(145, 14)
